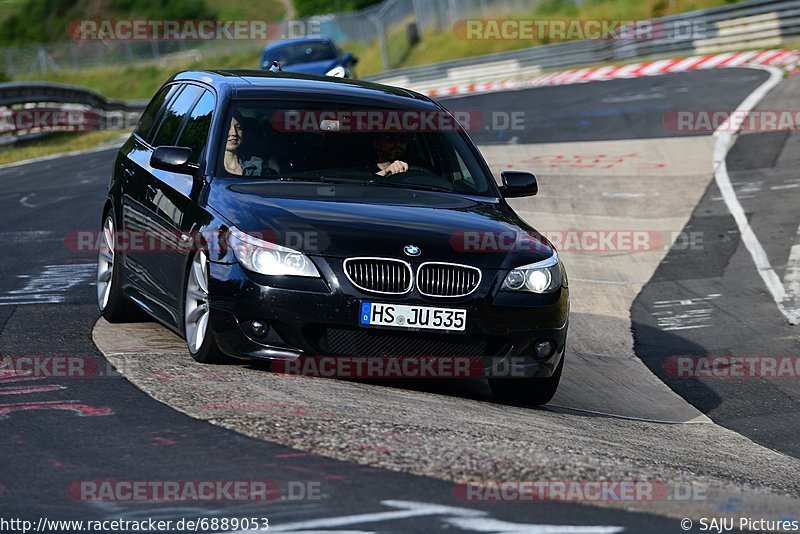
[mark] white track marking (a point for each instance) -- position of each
(787, 301)
(487, 524)
(464, 518)
(51, 286)
(24, 201)
(407, 510)
(682, 318)
(27, 236)
(786, 186)
(791, 279)
(685, 302)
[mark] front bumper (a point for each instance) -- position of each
(319, 317)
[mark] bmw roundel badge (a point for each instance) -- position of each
(412, 250)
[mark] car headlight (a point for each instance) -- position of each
(336, 72)
(540, 277)
(269, 258)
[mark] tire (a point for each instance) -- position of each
(199, 335)
(527, 391)
(114, 305)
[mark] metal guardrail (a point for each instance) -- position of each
(32, 109)
(752, 24)
(383, 25)
(755, 23)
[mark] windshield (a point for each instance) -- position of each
(342, 143)
(300, 53)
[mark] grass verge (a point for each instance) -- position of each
(141, 80)
(56, 144)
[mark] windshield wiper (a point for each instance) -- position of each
(337, 180)
(311, 180)
(360, 181)
(423, 187)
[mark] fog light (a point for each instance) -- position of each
(259, 329)
(544, 348)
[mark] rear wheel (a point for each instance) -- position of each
(115, 307)
(530, 391)
(199, 335)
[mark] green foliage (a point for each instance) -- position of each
(163, 9)
(196, 9)
(42, 21)
(563, 8)
(307, 8)
(38, 21)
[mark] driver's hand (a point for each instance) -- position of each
(395, 167)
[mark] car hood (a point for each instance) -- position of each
(313, 67)
(355, 220)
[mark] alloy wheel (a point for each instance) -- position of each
(196, 304)
(105, 263)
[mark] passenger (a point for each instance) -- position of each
(233, 161)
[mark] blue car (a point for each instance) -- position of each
(309, 56)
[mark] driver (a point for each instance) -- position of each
(389, 148)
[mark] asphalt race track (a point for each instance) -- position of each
(385, 456)
(741, 320)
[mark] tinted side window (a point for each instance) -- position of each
(195, 132)
(174, 115)
(151, 114)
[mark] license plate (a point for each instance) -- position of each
(412, 317)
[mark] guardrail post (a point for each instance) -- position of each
(379, 28)
(73, 56)
(418, 15)
(42, 60)
(10, 62)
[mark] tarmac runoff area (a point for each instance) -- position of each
(612, 419)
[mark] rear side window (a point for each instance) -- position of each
(195, 132)
(153, 111)
(176, 111)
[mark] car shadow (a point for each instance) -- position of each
(667, 355)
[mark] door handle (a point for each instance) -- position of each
(151, 191)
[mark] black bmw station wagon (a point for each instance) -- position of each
(277, 216)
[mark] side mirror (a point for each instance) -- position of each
(349, 59)
(173, 159)
(518, 184)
